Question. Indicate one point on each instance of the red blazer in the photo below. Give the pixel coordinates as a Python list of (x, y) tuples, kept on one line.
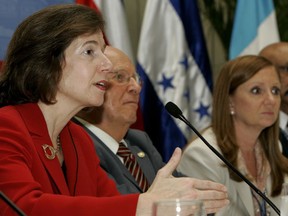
[(37, 184)]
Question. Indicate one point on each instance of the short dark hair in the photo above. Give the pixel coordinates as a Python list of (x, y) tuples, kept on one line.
[(35, 56)]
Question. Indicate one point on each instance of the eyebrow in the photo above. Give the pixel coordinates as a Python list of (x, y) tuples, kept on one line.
[(91, 42), (95, 43)]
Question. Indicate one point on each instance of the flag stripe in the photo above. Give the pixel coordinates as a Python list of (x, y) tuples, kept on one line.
[(261, 41), (195, 39), (256, 29), (160, 126)]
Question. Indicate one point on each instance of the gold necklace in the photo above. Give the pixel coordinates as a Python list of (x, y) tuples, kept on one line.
[(59, 146), (50, 151)]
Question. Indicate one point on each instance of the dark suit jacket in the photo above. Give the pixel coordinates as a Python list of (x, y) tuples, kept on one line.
[(284, 142), (137, 141), (37, 184)]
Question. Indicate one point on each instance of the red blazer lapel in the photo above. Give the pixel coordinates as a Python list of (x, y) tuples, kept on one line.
[(35, 123), (71, 158), (81, 159), (52, 167)]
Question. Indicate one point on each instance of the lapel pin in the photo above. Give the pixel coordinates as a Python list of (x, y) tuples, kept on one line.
[(141, 154), (49, 151)]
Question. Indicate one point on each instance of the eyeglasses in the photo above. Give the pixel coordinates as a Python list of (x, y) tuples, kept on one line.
[(123, 77)]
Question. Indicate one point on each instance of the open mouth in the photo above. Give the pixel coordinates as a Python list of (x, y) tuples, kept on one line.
[(102, 84)]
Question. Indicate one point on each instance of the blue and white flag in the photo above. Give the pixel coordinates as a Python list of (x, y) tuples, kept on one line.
[(255, 27), (173, 62)]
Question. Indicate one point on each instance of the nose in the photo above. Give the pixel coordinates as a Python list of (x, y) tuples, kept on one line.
[(271, 98), (106, 65), (134, 86)]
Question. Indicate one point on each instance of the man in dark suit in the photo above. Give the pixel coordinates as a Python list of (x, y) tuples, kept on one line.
[(277, 53), (110, 124)]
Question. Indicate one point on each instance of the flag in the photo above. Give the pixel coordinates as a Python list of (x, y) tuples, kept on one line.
[(255, 27), (12, 13), (173, 63)]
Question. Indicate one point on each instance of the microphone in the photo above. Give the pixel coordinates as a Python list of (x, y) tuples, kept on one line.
[(175, 111), (11, 204)]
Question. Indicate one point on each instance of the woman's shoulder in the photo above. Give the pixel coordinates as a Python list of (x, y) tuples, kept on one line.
[(14, 112), (208, 136), (9, 115), (7, 110)]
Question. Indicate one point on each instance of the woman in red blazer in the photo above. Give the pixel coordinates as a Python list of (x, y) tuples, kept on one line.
[(55, 67)]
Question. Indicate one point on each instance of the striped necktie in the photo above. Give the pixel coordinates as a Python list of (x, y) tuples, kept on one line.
[(133, 167)]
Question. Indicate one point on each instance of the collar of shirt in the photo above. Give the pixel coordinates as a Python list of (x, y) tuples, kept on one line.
[(108, 140)]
